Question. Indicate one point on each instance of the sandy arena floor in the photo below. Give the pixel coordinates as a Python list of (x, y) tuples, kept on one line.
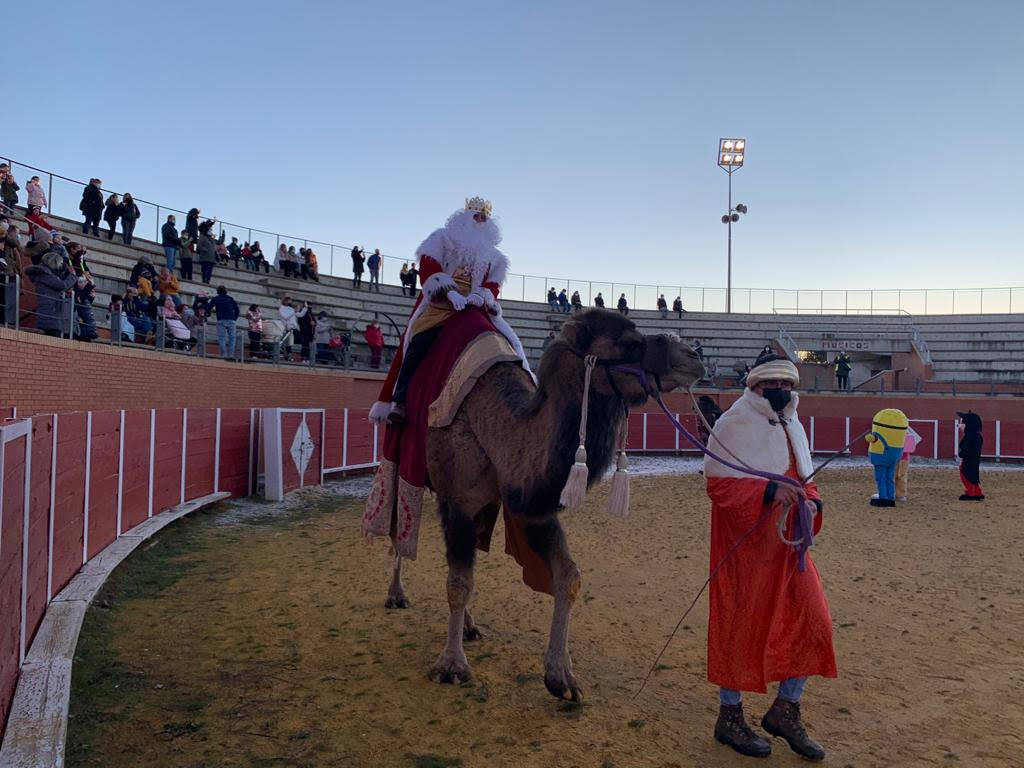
[(255, 635)]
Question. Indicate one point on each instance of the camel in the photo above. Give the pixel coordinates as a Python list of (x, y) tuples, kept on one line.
[(513, 444)]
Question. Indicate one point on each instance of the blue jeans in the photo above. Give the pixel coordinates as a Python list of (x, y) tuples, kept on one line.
[(207, 269), (789, 690), (170, 254), (226, 337), (885, 471), (143, 325)]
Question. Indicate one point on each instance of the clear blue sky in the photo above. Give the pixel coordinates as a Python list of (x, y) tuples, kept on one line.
[(884, 137)]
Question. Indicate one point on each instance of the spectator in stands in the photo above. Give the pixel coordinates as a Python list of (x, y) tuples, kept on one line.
[(322, 337), (192, 225), (171, 241), (34, 217), (552, 299), (207, 251), (698, 349), (290, 322), (599, 300), (227, 315), (622, 305), (188, 317), (91, 207), (51, 281), (119, 319), (36, 196), (547, 341), (258, 259), (8, 187), (76, 257), (11, 251), (246, 254), (408, 280), (201, 306), (111, 214), (402, 274), (180, 335), (254, 321), (293, 257), (235, 251), (307, 329), (84, 294), (302, 265), (767, 350), (137, 310), (373, 264), (576, 302), (185, 252), (375, 341), (280, 256), (312, 266), (222, 250), (339, 348), (843, 368), (677, 307), (143, 268), (357, 266), (563, 302), (167, 285), (663, 306), (39, 245), (129, 215)]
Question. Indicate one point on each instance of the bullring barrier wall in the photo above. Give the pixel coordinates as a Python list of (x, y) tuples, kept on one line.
[(72, 484)]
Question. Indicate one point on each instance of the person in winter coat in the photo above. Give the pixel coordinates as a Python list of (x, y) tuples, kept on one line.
[(970, 455), (201, 306), (576, 302), (91, 207), (76, 258), (35, 220), (663, 306), (312, 266), (293, 260), (563, 302), (167, 285), (36, 196), (307, 327), (181, 338), (129, 215), (143, 268), (227, 317), (192, 224), (84, 294), (357, 266), (51, 282), (171, 242), (375, 341), (290, 322), (111, 214), (322, 336), (258, 259), (677, 306), (8, 187), (235, 251), (373, 264), (207, 251), (552, 299), (599, 300), (842, 368), (185, 253), (137, 310), (623, 306), (254, 321), (119, 319)]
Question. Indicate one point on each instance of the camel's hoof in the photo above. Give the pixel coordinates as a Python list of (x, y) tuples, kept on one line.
[(471, 634), (559, 681), (451, 669), (396, 602)]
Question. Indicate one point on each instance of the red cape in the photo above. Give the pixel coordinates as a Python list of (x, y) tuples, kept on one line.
[(768, 621)]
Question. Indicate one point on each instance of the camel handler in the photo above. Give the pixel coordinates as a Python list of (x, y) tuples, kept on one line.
[(768, 621)]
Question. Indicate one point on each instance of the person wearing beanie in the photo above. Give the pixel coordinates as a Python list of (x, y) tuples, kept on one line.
[(769, 621)]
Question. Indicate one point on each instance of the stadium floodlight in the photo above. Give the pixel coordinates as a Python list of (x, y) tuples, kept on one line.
[(731, 154)]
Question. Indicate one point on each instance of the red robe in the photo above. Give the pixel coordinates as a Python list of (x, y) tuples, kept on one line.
[(767, 620)]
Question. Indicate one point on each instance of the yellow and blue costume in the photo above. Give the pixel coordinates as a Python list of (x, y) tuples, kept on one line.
[(885, 447)]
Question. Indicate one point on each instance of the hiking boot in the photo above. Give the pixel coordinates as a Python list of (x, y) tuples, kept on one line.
[(733, 731), (783, 721), (965, 497)]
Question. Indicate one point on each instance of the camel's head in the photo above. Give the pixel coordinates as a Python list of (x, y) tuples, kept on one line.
[(612, 338)]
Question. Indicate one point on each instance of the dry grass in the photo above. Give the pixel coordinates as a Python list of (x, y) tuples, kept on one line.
[(268, 645)]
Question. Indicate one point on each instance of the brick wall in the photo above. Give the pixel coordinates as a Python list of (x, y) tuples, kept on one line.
[(39, 374)]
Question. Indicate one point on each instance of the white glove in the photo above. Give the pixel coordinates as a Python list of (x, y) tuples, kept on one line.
[(492, 303), (457, 300), (475, 299)]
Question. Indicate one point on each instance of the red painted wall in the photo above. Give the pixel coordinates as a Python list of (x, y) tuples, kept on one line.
[(11, 540)]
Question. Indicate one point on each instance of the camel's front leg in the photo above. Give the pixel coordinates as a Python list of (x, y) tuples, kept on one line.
[(396, 592), (548, 540)]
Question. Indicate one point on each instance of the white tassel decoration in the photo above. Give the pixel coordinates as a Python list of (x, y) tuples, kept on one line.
[(575, 488), (618, 498)]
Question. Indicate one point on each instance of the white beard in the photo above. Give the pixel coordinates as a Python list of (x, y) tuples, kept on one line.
[(470, 245)]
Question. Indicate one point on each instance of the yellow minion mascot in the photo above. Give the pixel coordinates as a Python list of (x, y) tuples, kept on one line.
[(885, 447)]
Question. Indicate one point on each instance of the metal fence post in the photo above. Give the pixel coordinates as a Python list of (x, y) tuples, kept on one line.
[(160, 339), (332, 259), (158, 223), (115, 328), (49, 199)]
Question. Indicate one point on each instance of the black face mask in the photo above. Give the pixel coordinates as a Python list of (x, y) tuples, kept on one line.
[(777, 398)]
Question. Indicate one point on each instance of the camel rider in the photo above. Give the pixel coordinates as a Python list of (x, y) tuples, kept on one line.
[(769, 621), (459, 266)]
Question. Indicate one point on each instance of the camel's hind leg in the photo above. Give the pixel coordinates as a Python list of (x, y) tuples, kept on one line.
[(460, 541), (547, 539), (396, 592)]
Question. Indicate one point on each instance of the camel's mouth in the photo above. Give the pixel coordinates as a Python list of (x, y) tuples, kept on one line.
[(672, 363)]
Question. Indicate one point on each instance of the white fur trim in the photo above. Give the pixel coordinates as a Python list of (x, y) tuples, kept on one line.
[(433, 246), (506, 330), (746, 430), (439, 282), (497, 270), (379, 412)]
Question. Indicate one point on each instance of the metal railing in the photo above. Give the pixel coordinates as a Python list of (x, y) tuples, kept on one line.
[(65, 193)]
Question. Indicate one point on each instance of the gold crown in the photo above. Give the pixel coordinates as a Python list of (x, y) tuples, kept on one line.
[(478, 204)]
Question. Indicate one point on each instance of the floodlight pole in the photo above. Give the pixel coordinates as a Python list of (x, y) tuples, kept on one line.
[(728, 277)]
